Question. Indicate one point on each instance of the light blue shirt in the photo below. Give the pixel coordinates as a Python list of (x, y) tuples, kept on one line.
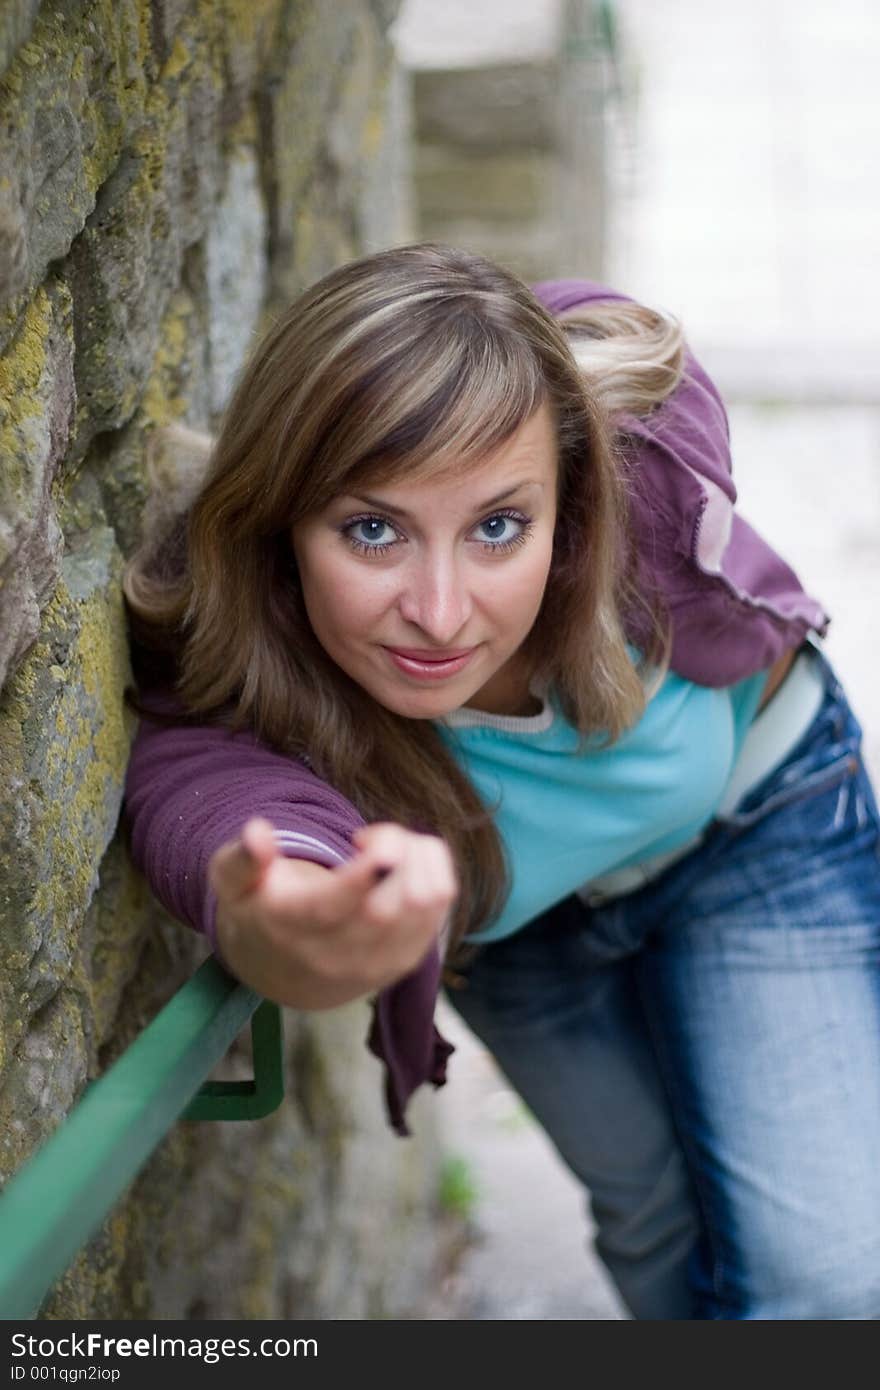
[(566, 818)]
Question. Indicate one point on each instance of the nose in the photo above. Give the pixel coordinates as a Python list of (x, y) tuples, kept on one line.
[(436, 598)]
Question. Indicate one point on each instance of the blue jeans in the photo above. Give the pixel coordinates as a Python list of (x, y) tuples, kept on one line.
[(705, 1052)]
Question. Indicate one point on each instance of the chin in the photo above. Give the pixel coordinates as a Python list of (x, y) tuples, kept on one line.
[(425, 705)]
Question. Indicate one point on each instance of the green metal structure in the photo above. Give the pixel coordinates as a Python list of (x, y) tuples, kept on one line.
[(51, 1207)]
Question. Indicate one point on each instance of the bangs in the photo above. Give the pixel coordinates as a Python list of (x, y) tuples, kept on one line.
[(438, 397)]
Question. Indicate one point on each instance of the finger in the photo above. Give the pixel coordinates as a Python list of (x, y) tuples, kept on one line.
[(258, 839), (238, 868), (425, 865), (385, 899), (383, 846), (387, 841), (416, 892), (443, 866), (383, 843), (390, 829), (348, 884), (425, 874)]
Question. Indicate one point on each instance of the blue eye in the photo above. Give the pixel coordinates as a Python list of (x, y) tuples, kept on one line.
[(377, 523), (382, 548), (507, 541)]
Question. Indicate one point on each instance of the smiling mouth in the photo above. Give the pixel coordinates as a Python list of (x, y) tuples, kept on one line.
[(422, 669)]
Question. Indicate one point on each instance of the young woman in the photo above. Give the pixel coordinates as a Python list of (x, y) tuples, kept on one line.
[(462, 656)]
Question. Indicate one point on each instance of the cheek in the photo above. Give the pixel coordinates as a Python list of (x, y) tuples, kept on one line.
[(532, 579), (337, 600)]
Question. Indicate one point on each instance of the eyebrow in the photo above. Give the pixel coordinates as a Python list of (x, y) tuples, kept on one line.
[(399, 511)]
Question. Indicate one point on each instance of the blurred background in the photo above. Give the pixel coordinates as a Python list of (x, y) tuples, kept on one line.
[(717, 162)]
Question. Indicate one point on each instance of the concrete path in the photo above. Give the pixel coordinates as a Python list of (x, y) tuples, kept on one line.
[(531, 1255)]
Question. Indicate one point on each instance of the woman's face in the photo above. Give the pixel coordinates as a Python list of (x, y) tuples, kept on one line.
[(437, 567)]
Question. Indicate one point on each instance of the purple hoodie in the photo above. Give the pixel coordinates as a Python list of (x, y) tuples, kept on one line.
[(190, 790), (735, 604), (735, 607)]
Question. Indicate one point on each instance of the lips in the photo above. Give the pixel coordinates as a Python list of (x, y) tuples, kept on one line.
[(417, 654), (417, 668)]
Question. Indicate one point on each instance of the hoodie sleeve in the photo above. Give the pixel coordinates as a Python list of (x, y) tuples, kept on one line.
[(189, 790)]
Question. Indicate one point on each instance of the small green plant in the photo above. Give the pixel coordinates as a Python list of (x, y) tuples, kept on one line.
[(458, 1189), (518, 1117)]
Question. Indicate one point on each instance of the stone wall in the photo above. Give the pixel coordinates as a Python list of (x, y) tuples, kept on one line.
[(171, 171)]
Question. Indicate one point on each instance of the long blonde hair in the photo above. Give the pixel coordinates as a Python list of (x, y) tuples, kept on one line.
[(389, 364)]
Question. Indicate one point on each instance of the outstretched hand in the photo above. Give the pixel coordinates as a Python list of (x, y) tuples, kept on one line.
[(313, 937)]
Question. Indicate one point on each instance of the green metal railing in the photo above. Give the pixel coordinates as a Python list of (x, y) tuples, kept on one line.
[(51, 1207)]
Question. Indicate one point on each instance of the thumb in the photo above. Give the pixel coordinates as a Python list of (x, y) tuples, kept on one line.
[(238, 867)]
